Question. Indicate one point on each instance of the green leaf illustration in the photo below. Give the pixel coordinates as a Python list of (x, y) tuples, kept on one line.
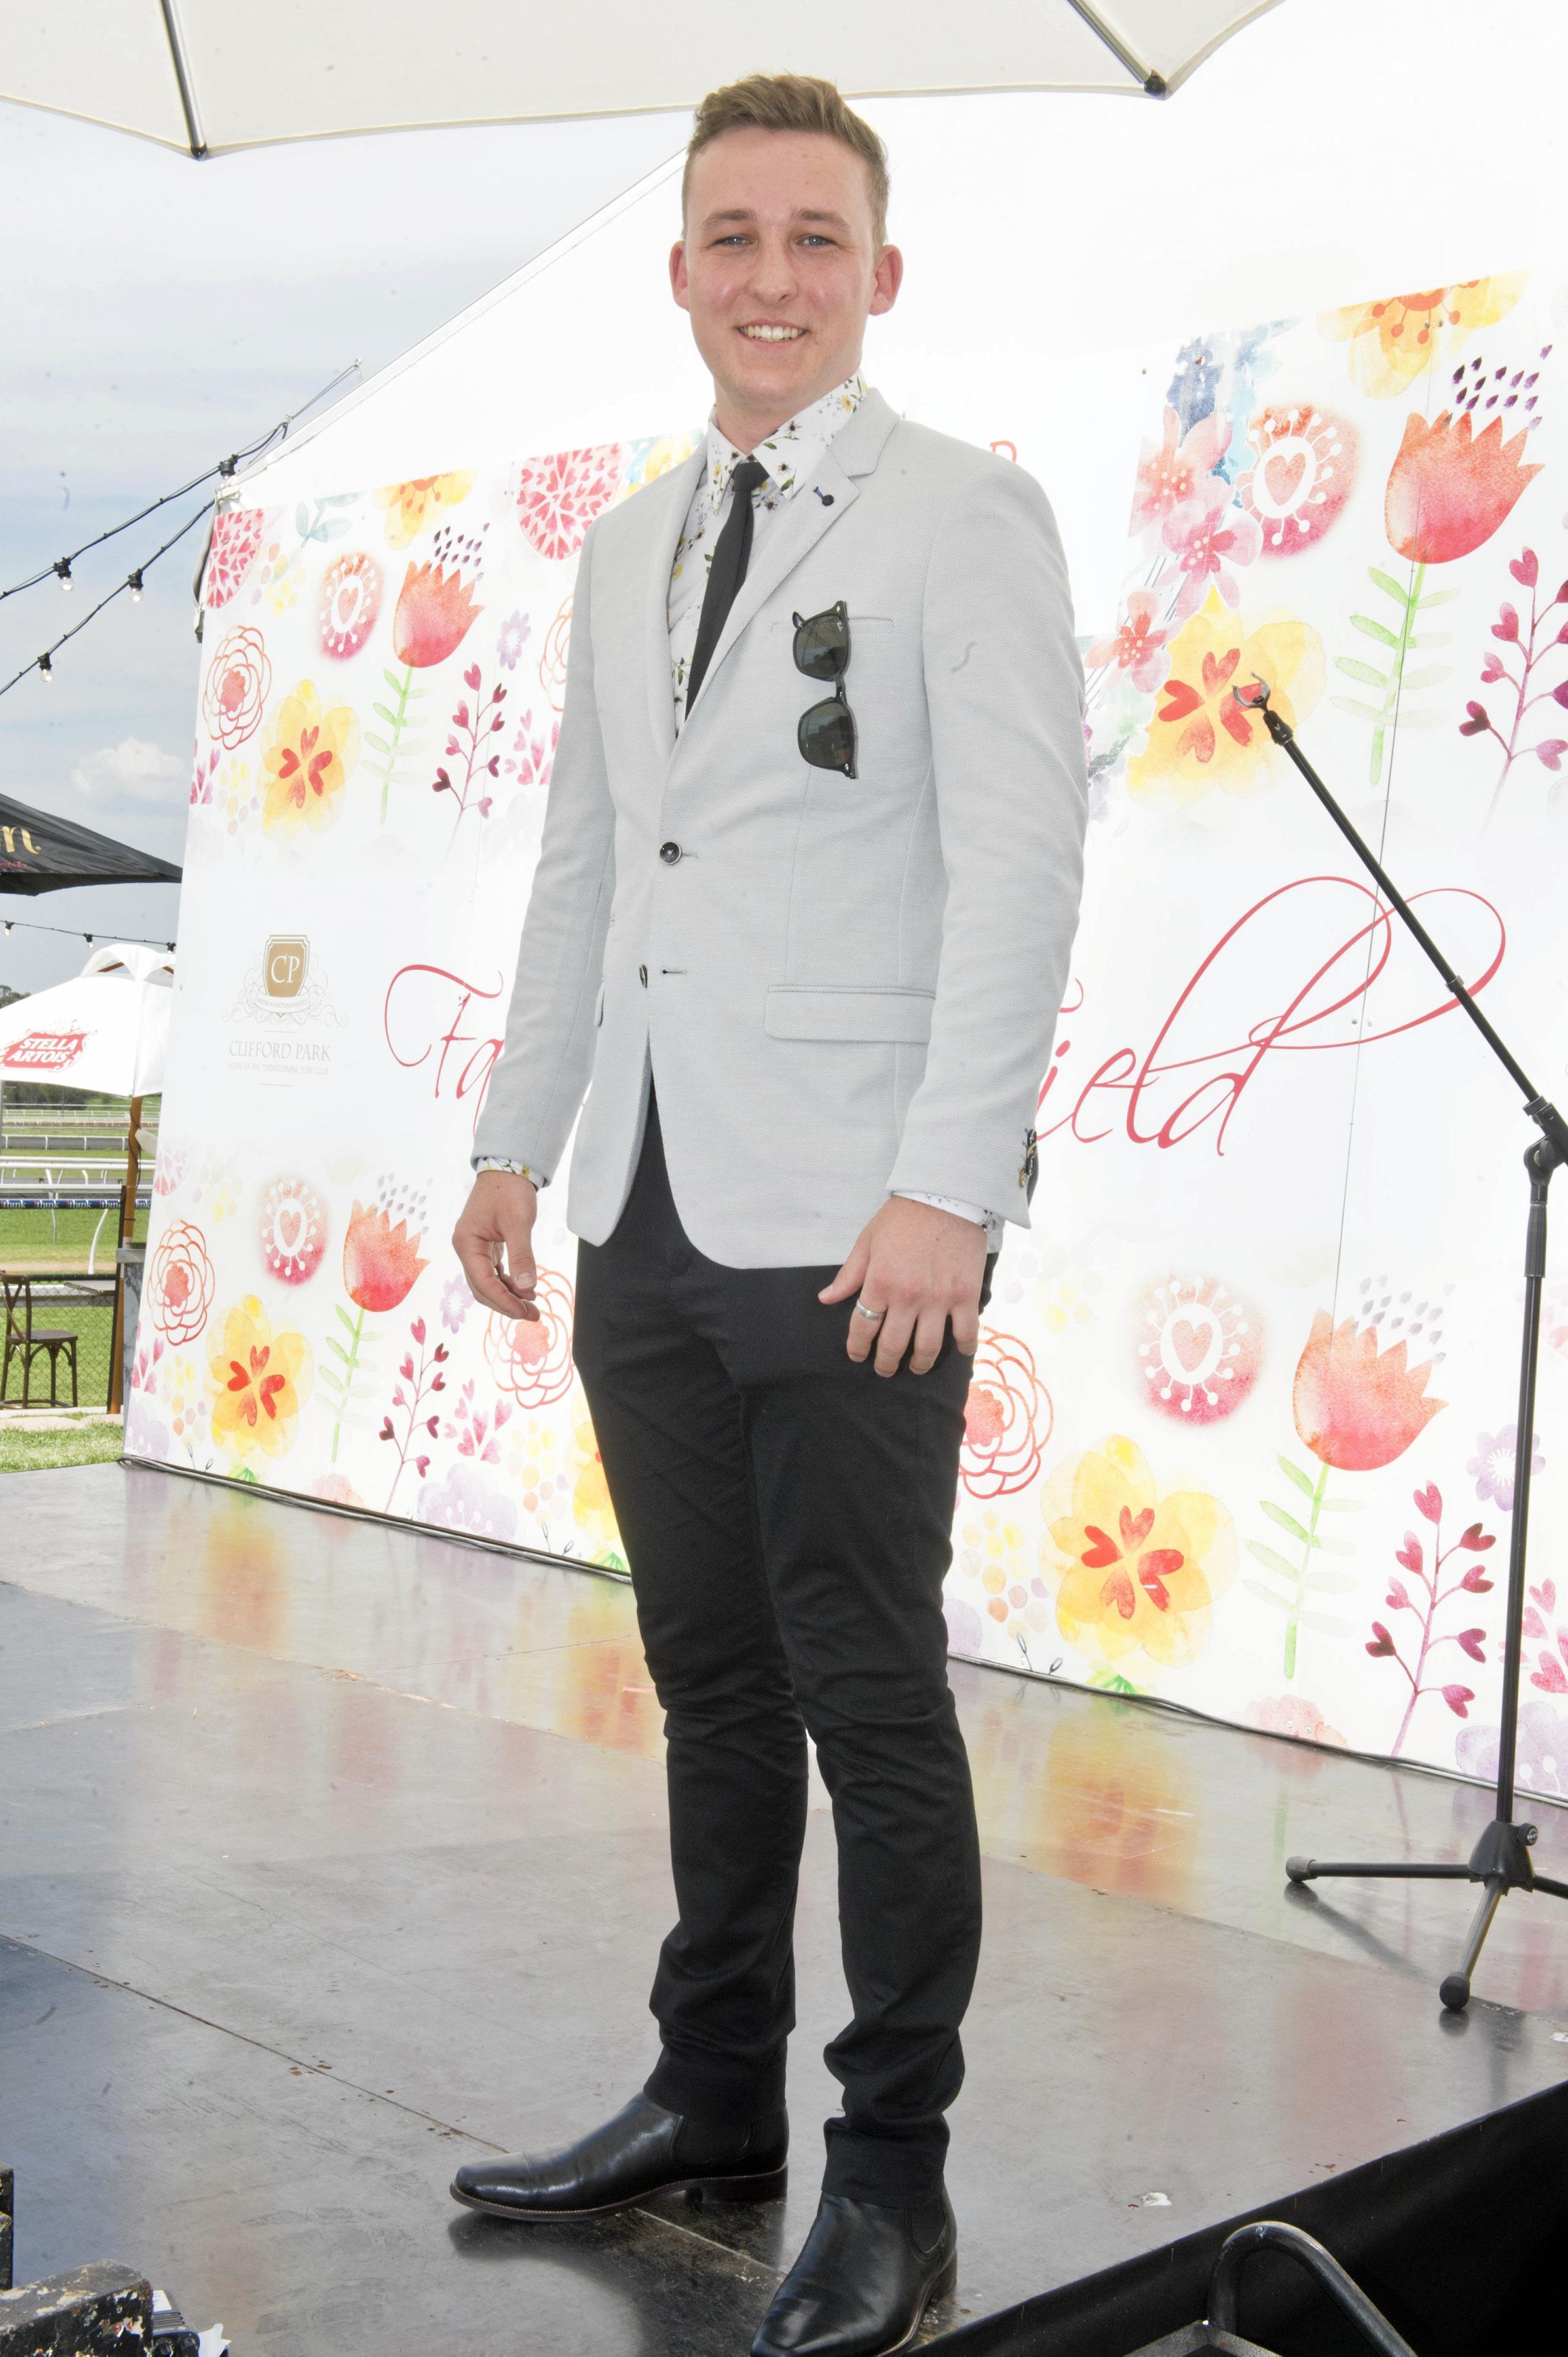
[(1288, 1522), (1353, 669), (1429, 675), (1342, 1505), (1361, 711), (1386, 582), (1269, 1594), (1270, 1559), (1436, 598), (1331, 1583), (1294, 1473), (1365, 623), (378, 744), (1328, 1624)]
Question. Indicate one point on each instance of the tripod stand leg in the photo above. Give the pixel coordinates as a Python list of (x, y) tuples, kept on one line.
[(1455, 1989)]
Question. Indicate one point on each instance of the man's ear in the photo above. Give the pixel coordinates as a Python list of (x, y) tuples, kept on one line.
[(678, 278), (888, 278)]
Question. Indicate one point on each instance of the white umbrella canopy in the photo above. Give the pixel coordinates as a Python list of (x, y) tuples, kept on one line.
[(104, 1032), (212, 75)]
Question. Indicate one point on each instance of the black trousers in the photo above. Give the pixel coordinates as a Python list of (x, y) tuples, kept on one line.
[(787, 1516)]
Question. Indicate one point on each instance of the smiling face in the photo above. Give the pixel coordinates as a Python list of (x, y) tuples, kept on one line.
[(779, 271)]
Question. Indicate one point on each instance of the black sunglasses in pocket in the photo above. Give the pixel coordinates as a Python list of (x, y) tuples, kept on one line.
[(826, 734)]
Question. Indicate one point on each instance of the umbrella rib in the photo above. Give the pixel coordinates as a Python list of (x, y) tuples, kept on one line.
[(182, 75), (1154, 83)]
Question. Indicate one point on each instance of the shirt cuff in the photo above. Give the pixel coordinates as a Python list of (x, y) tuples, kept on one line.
[(517, 1169), (975, 1212)]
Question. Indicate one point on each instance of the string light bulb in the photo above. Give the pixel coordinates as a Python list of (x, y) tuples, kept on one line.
[(46, 667), (135, 581), (62, 569)]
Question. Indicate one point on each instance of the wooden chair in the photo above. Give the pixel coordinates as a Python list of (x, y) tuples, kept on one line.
[(24, 1340)]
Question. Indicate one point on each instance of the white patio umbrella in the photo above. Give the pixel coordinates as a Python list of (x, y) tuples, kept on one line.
[(210, 76), (104, 1032)]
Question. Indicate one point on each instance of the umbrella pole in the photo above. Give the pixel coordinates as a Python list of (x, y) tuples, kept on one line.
[(127, 1223)]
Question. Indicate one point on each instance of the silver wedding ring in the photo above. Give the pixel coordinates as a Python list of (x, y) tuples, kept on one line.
[(875, 1317)]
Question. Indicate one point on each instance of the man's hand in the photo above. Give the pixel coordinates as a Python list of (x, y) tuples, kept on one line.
[(494, 1241), (919, 1266)]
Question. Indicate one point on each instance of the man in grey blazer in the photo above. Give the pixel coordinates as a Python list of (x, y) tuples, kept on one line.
[(800, 931)]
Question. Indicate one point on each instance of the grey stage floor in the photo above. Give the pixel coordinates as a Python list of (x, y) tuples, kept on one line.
[(333, 1854)]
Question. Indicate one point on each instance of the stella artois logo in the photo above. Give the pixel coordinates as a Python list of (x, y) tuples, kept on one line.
[(44, 1051)]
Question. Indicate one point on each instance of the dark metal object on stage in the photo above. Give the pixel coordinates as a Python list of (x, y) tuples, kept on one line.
[(91, 2312), (1220, 2330), (1500, 1860)]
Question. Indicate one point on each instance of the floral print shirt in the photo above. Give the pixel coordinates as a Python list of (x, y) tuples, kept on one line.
[(791, 457)]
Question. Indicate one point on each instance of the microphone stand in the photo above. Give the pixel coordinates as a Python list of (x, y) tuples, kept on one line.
[(1500, 1860)]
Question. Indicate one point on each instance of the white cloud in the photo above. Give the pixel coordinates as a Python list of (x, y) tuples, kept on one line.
[(133, 770)]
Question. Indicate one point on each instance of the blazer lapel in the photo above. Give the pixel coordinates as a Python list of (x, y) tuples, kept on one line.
[(669, 501), (807, 514)]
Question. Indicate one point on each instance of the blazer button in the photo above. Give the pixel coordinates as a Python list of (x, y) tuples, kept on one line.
[(669, 852)]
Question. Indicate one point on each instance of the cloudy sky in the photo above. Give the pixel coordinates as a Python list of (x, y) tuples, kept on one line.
[(160, 313)]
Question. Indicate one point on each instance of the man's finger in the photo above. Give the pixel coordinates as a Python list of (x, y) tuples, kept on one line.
[(966, 1329), (863, 1333), (893, 1340), (486, 1283), (851, 1277), (518, 1243), (929, 1330)]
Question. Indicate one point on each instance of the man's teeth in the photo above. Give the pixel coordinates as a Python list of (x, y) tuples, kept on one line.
[(773, 335)]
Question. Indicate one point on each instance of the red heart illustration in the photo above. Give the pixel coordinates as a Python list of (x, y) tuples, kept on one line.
[(1282, 474)]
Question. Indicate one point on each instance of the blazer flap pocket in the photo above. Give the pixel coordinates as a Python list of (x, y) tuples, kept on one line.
[(799, 1010)]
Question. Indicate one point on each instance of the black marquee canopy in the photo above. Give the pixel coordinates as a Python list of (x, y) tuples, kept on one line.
[(40, 853)]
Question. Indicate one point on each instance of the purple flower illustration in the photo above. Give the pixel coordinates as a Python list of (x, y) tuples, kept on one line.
[(466, 1501), (456, 1303), (1542, 1747), (1492, 1465), (515, 633)]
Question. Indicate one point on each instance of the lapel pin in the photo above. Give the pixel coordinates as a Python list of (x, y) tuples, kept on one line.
[(826, 497)]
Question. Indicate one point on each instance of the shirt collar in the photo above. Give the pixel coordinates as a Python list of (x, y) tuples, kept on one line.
[(791, 454)]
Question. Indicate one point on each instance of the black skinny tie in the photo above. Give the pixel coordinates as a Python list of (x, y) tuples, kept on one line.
[(726, 572)]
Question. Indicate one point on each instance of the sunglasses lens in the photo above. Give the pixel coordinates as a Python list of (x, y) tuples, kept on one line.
[(821, 645), (826, 736)]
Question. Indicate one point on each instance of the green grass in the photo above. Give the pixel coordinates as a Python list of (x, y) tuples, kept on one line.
[(31, 1241), (21, 1451)]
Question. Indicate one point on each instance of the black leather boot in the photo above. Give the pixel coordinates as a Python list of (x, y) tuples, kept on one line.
[(863, 2280), (644, 2150)]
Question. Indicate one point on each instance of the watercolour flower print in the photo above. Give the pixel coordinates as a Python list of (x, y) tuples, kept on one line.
[(1394, 341), (1201, 736), (1203, 1459), (1136, 1571)]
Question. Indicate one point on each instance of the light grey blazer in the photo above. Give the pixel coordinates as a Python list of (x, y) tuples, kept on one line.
[(844, 986)]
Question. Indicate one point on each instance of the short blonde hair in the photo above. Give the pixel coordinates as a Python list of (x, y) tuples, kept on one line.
[(791, 102)]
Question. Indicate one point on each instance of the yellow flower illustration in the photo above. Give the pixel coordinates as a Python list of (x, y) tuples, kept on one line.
[(1407, 336), (260, 1382), (1135, 1574), (1199, 736), (306, 754), (409, 506), (591, 1508)]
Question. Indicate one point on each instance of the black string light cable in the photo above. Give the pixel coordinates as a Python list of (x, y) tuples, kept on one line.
[(44, 663), (60, 569), (75, 933)]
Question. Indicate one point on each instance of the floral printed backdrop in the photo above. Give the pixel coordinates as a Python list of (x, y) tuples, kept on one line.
[(1239, 1430)]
